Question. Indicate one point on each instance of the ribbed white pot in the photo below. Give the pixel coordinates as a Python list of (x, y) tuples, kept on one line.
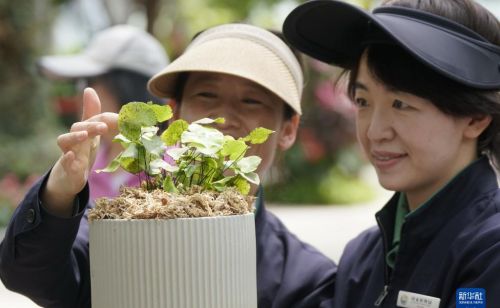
[(177, 263)]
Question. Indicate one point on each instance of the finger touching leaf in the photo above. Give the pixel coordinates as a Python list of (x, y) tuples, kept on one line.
[(133, 116)]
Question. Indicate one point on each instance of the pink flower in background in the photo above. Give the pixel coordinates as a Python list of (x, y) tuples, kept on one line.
[(67, 105), (312, 147), (334, 98)]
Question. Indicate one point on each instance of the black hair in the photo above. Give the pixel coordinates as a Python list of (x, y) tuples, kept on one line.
[(397, 69), (182, 78), (127, 86)]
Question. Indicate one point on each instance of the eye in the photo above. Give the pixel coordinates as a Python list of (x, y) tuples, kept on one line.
[(251, 101), (399, 104), (207, 94), (360, 102)]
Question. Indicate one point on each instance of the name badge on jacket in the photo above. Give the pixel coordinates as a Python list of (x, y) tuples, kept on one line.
[(415, 300)]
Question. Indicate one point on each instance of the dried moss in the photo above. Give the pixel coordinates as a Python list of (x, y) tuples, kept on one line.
[(137, 203)]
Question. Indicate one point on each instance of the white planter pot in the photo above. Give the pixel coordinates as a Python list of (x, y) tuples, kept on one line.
[(178, 263)]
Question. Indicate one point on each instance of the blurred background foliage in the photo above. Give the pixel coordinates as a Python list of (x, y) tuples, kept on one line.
[(27, 143), (324, 166)]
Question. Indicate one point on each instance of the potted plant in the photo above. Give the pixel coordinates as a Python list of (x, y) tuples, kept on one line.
[(186, 237)]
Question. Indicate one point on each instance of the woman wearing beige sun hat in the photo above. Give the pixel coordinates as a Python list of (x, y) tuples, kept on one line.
[(252, 78), (240, 50), (240, 72)]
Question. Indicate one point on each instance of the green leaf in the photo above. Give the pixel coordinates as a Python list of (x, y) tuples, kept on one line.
[(206, 140), (176, 153), (242, 185), (190, 170), (132, 117), (234, 148), (220, 185), (258, 135), (148, 132), (173, 133), (251, 177), (209, 163), (159, 164), (206, 121), (112, 167), (162, 112), (154, 146), (130, 151), (248, 164), (132, 165), (130, 160), (210, 169), (124, 141), (168, 185)]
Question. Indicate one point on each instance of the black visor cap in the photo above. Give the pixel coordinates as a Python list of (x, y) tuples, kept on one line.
[(336, 32)]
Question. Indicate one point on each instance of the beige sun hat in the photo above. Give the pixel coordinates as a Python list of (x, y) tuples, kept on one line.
[(241, 50)]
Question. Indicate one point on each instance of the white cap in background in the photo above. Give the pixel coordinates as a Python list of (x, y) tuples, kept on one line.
[(119, 47)]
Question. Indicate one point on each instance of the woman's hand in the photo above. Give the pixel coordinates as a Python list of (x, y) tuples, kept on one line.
[(70, 173)]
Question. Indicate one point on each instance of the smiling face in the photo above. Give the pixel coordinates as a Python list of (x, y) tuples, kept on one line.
[(414, 147), (245, 106)]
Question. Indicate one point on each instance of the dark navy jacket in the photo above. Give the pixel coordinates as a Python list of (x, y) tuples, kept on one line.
[(452, 242), (46, 258)]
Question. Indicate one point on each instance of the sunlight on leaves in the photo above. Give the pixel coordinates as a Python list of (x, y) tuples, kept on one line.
[(204, 156)]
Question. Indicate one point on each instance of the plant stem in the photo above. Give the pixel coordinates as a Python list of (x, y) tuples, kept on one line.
[(234, 161), (201, 179)]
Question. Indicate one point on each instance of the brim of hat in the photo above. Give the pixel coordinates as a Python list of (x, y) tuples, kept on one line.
[(232, 56), (335, 32), (68, 67)]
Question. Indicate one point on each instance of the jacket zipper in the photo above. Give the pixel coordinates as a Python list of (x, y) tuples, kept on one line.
[(385, 290), (382, 296)]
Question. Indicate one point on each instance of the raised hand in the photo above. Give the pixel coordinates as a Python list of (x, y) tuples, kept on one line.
[(70, 173)]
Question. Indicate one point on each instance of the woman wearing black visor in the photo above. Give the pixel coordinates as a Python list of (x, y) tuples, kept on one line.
[(425, 78)]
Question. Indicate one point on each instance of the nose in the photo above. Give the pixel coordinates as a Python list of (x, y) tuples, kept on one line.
[(380, 126), (227, 108)]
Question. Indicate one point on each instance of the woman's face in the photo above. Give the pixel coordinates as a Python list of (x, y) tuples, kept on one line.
[(414, 147), (245, 106)]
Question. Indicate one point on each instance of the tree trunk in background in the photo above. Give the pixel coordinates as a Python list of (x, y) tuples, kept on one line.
[(27, 125), (22, 25), (152, 7)]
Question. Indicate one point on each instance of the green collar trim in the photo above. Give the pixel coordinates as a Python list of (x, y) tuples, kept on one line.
[(403, 212)]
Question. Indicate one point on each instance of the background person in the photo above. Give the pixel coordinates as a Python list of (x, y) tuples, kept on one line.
[(117, 64)]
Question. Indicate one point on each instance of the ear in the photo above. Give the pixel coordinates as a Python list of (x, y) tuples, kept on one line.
[(476, 126), (288, 132)]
